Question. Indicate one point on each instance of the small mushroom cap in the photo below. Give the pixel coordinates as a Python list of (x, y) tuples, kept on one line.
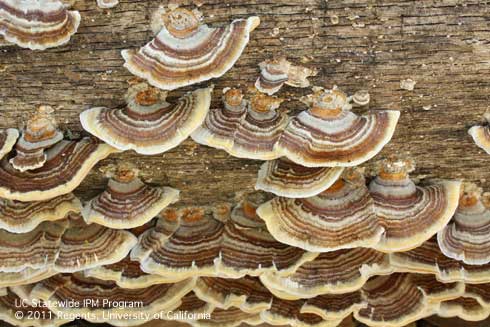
[(8, 138), (106, 4), (410, 214), (128, 202), (23, 217), (37, 25), (467, 236), (465, 308), (330, 135), (341, 217), (186, 52), (286, 178), (70, 159), (148, 124), (481, 134), (41, 132), (361, 97)]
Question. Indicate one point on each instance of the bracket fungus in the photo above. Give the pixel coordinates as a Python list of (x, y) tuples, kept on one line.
[(286, 178), (410, 214), (274, 73), (37, 24), (100, 301), (25, 276), (334, 272), (67, 164), (250, 133), (465, 308), (481, 134), (328, 134), (205, 246), (340, 217), (148, 124), (232, 317), (22, 217), (8, 138), (466, 237), (186, 51), (106, 4), (41, 132), (127, 202)]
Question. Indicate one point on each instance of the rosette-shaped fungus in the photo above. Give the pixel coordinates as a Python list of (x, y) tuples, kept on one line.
[(467, 236), (148, 124), (186, 51), (128, 202), (410, 214), (100, 301), (8, 137), (481, 134), (205, 246), (465, 308), (67, 164), (338, 218), (329, 134), (428, 259), (398, 299), (40, 133), (334, 272), (274, 73), (37, 24), (286, 178), (22, 217), (250, 133)]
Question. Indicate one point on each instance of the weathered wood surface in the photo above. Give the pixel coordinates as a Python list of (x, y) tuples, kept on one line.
[(442, 45)]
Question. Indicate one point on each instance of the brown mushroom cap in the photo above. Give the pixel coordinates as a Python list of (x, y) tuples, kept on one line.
[(8, 137), (183, 53), (22, 217), (232, 317), (128, 202), (286, 178), (410, 214), (481, 134), (148, 124), (67, 164), (37, 25), (467, 236), (464, 308), (339, 218), (330, 135)]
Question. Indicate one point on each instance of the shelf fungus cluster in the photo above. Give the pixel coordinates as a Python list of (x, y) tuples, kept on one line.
[(37, 24)]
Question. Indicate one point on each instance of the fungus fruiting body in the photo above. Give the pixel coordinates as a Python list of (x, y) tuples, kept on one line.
[(41, 132), (329, 134), (148, 124), (128, 202), (410, 214), (8, 137), (466, 237), (105, 4), (37, 24), (481, 134), (67, 164), (186, 51)]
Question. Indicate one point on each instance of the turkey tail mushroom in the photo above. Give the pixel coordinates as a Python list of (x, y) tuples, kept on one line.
[(8, 138), (481, 134)]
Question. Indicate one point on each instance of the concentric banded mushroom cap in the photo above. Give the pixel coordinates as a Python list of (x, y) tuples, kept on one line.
[(67, 164), (25, 276), (231, 317), (186, 52), (8, 137), (274, 73), (339, 218), (286, 178), (428, 259), (465, 308), (22, 217), (40, 133), (410, 214), (481, 134), (148, 124), (480, 292), (334, 306), (128, 202), (205, 246), (334, 272), (17, 312), (100, 301), (37, 24), (330, 135), (398, 299), (467, 236), (222, 121), (246, 293)]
